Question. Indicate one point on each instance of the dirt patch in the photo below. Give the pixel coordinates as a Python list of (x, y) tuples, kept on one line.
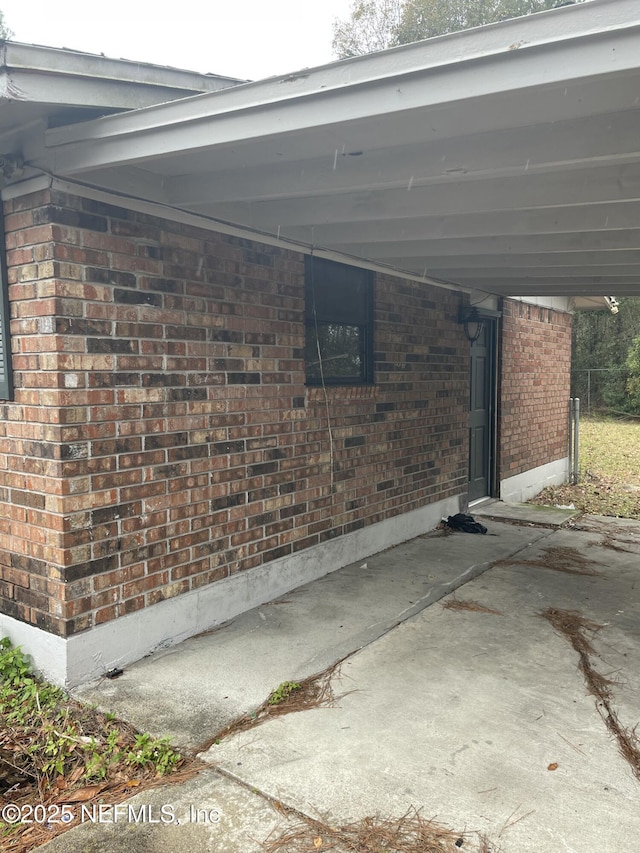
[(410, 833), (577, 628), (473, 606), (315, 691), (557, 559)]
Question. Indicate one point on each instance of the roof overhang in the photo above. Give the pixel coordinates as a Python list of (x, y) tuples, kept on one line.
[(505, 158), (42, 87)]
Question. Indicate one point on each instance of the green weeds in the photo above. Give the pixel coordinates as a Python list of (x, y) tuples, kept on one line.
[(48, 738), (283, 691)]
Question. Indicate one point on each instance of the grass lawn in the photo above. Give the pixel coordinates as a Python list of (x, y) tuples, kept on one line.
[(609, 471)]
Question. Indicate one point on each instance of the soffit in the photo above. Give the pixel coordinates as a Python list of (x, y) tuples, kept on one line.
[(505, 159)]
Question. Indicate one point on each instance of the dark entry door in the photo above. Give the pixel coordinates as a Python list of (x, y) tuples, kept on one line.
[(481, 413)]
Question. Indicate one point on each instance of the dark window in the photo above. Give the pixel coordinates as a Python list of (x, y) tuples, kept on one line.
[(339, 323)]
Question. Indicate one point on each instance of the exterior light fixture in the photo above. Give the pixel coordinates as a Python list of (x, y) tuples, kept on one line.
[(469, 317)]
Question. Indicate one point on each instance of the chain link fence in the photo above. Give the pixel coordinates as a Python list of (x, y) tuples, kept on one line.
[(601, 388)]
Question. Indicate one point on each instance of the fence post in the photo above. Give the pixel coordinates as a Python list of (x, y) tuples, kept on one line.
[(576, 441), (571, 439)]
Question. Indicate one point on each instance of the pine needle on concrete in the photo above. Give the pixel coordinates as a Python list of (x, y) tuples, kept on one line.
[(315, 691), (472, 606), (410, 833), (576, 628), (558, 559)]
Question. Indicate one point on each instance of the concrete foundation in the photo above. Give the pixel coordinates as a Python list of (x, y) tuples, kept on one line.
[(86, 656)]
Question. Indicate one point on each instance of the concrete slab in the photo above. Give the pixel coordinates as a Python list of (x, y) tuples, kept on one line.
[(192, 690), (618, 527), (462, 713), (524, 513), (459, 713)]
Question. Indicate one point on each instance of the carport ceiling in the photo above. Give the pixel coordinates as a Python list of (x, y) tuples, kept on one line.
[(505, 158)]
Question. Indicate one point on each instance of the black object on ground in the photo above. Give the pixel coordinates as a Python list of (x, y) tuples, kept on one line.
[(465, 523)]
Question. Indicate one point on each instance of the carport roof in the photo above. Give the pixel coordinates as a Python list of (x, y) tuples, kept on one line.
[(505, 158), (61, 86)]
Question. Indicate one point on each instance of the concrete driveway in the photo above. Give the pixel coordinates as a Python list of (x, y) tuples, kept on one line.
[(456, 697)]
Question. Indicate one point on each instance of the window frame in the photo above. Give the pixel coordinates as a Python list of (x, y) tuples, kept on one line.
[(332, 274)]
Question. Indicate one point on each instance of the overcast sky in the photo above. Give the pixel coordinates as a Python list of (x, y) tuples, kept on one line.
[(236, 38)]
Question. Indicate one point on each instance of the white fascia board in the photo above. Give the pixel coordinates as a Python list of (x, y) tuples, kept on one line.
[(590, 303), (599, 18), (30, 185), (67, 90), (48, 61), (599, 37)]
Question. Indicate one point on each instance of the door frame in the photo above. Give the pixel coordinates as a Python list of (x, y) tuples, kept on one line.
[(491, 321)]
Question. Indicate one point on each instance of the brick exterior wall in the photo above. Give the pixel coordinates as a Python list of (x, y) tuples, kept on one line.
[(534, 387), (162, 437)]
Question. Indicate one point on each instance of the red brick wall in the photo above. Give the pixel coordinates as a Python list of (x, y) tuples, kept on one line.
[(535, 379), (162, 436)]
